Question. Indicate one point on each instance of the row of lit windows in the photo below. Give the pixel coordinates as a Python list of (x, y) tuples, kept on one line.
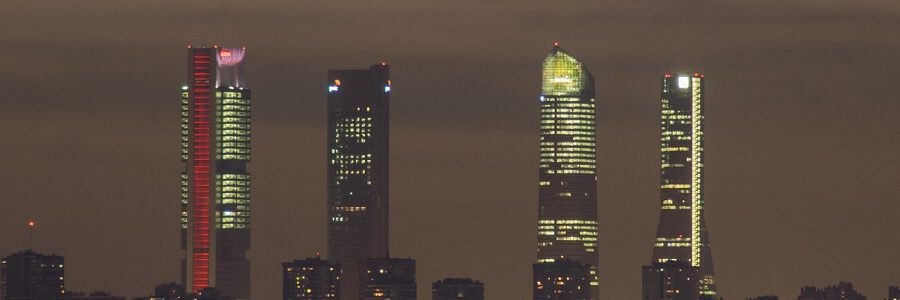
[(575, 127), (567, 132), (236, 138), (571, 104), (234, 226), (568, 222), (577, 111), (233, 102), (568, 160), (235, 200), (352, 172), (348, 208), (351, 161), (567, 149), (233, 220), (229, 94), (225, 108), (571, 166), (226, 125), (659, 245), (236, 213), (550, 99), (567, 116), (576, 238), (569, 121)]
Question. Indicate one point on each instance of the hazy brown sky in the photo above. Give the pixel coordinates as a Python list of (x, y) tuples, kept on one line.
[(802, 134)]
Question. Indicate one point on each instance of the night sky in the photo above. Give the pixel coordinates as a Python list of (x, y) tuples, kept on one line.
[(801, 110)]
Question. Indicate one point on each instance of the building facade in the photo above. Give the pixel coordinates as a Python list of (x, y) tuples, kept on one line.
[(31, 275), (567, 199), (457, 289), (358, 169), (681, 234), (215, 186), (672, 280), (387, 279), (562, 279), (310, 279)]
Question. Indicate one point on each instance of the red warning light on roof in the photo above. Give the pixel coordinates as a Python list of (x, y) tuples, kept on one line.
[(31, 224), (555, 43), (668, 75)]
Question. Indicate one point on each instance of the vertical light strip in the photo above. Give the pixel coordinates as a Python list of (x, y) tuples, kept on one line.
[(201, 106), (696, 170)]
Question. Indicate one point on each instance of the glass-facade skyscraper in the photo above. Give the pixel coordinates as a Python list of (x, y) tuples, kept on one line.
[(215, 186), (682, 235), (357, 159), (567, 200)]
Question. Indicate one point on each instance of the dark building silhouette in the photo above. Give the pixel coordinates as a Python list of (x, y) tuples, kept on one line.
[(30, 275), (562, 279), (358, 128), (893, 293), (311, 278), (166, 291), (215, 186), (673, 280), (457, 289), (767, 297), (841, 291), (209, 293), (169, 291), (682, 235), (387, 278), (567, 164), (98, 295)]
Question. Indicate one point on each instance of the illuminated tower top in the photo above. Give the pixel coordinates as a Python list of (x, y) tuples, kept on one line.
[(230, 65), (563, 75)]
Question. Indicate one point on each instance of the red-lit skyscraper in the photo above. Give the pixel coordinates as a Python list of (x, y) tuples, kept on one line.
[(215, 186)]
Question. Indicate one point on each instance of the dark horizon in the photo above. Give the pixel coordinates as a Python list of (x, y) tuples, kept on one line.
[(801, 151)]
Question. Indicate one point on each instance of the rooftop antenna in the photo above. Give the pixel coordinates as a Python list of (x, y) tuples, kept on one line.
[(32, 226)]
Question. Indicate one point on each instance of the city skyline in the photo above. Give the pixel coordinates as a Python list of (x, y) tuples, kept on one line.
[(87, 136)]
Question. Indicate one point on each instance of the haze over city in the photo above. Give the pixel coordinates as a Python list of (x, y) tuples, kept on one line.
[(800, 139)]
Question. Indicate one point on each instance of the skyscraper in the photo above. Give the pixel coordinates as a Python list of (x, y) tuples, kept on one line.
[(31, 275), (311, 279), (457, 289), (681, 235), (567, 200), (562, 279), (358, 128), (215, 186), (387, 278)]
